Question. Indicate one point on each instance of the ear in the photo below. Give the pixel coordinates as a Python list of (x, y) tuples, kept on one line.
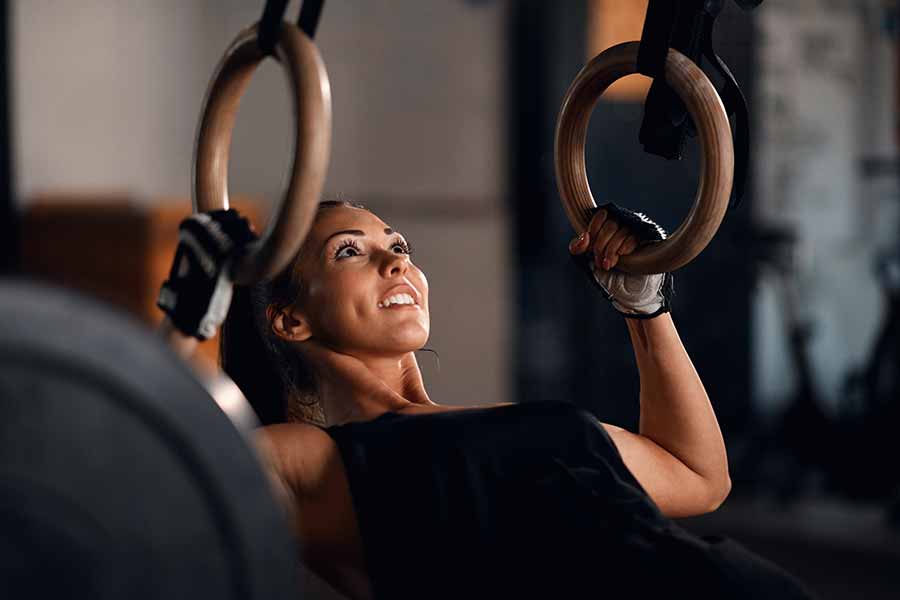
[(288, 323)]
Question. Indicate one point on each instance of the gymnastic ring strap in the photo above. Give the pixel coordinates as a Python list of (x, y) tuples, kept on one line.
[(273, 15), (311, 98), (713, 133)]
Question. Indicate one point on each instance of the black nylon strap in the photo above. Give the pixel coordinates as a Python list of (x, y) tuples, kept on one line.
[(687, 26), (273, 15), (656, 37), (310, 13), (678, 25), (736, 107)]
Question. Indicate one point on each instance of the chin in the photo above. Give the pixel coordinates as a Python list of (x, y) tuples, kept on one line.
[(411, 345), (411, 342)]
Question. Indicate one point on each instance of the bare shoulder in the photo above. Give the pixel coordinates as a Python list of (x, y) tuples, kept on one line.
[(285, 435), (613, 429), (308, 464), (299, 453)]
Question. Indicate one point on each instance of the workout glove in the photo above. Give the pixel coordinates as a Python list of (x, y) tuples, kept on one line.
[(198, 291), (634, 296)]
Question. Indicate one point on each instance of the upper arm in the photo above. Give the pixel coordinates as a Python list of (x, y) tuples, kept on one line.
[(676, 489)]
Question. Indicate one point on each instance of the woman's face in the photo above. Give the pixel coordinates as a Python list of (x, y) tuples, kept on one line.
[(353, 270)]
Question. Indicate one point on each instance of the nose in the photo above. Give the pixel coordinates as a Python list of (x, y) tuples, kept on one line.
[(394, 264)]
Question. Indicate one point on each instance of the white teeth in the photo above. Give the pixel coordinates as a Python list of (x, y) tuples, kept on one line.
[(397, 299)]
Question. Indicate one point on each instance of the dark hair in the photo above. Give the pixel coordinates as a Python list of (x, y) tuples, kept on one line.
[(277, 382)]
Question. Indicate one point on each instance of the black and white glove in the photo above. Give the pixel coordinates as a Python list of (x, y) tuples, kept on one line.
[(197, 294), (617, 232)]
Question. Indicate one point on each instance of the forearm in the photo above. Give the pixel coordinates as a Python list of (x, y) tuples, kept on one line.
[(675, 411)]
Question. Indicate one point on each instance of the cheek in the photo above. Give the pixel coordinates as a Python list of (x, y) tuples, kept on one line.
[(420, 281), (338, 301), (343, 314)]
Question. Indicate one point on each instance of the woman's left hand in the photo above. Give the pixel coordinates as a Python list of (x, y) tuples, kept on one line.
[(612, 233), (607, 238)]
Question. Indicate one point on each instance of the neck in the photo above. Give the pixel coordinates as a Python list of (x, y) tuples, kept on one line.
[(381, 384)]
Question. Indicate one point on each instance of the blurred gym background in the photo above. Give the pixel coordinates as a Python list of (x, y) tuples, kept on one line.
[(444, 115)]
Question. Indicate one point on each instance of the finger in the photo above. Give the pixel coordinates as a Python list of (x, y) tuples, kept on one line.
[(607, 231), (597, 222), (616, 242), (614, 245), (628, 246), (580, 243)]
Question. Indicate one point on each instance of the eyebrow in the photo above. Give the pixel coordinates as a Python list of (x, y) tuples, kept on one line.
[(357, 232)]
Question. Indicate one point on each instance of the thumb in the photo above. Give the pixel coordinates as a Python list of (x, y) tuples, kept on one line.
[(580, 243)]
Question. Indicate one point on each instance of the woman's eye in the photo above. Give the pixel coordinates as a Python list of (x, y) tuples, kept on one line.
[(404, 247), (342, 251), (353, 249)]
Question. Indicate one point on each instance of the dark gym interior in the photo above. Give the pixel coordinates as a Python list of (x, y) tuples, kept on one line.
[(444, 116)]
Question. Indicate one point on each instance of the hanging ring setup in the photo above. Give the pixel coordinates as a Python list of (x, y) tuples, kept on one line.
[(713, 132), (311, 99)]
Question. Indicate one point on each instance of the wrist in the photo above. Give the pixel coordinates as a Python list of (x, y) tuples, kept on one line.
[(657, 332), (642, 313)]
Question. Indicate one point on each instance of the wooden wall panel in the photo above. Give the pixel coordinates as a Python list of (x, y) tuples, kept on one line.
[(110, 247)]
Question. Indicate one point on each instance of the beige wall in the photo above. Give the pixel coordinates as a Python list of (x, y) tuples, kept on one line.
[(107, 93)]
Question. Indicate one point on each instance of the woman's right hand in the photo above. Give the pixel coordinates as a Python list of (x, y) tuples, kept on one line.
[(198, 291)]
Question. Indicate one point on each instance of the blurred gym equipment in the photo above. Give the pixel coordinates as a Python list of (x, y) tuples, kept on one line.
[(120, 477)]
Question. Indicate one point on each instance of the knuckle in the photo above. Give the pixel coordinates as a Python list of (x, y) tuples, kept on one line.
[(610, 227)]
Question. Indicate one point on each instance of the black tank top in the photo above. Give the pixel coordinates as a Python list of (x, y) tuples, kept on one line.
[(529, 500)]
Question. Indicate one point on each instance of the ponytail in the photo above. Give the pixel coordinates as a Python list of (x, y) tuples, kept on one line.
[(246, 355)]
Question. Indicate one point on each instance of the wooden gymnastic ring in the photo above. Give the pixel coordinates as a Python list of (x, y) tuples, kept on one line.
[(311, 97), (713, 132)]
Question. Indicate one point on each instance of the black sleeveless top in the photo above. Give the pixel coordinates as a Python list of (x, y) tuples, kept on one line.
[(528, 500)]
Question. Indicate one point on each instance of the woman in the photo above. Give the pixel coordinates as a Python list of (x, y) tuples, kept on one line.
[(392, 495)]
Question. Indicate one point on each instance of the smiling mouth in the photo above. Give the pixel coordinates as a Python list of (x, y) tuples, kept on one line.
[(402, 298), (401, 306)]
